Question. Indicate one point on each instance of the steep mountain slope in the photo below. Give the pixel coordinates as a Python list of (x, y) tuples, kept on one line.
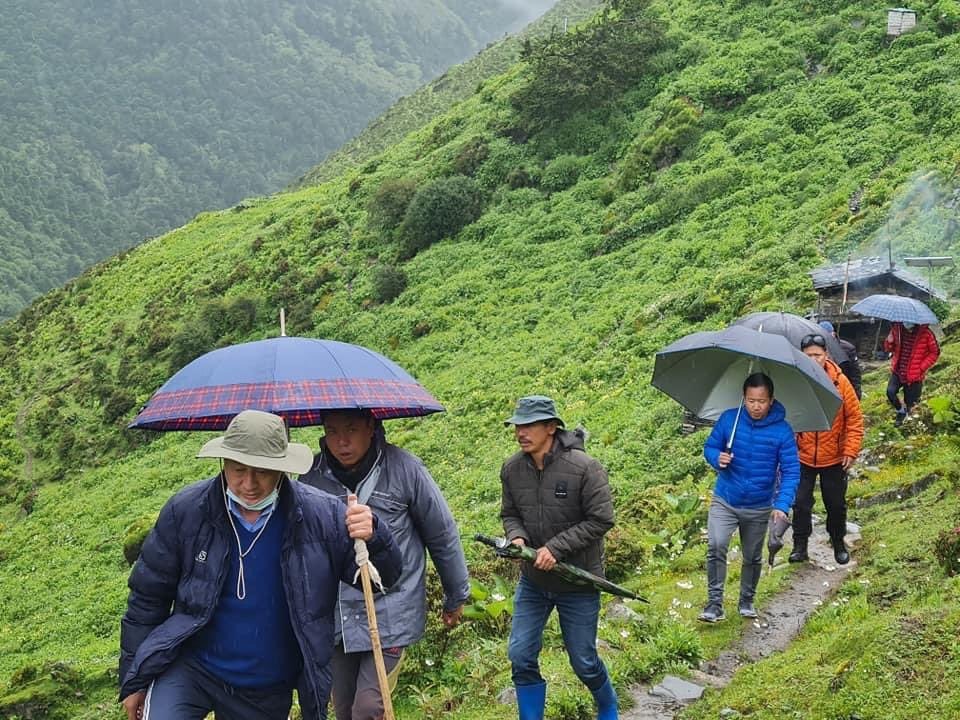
[(664, 168), (122, 120)]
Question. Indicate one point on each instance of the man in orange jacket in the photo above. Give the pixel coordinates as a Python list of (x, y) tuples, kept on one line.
[(914, 350), (828, 454)]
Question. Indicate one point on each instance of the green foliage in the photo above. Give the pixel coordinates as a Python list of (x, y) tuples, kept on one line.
[(562, 173), (388, 282), (946, 15), (572, 72), (946, 548), (388, 205), (134, 535), (490, 605), (136, 120), (439, 209), (678, 128), (569, 293)]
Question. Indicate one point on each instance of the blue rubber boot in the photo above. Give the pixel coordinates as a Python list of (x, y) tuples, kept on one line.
[(531, 700), (606, 698)]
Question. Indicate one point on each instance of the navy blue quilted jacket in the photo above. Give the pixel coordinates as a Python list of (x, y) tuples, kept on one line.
[(177, 580), (764, 453)]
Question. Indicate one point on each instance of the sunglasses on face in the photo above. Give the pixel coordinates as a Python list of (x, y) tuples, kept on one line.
[(813, 339)]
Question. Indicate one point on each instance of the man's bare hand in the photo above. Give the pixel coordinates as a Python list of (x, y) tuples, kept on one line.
[(451, 618), (545, 559), (725, 459), (133, 704), (359, 519)]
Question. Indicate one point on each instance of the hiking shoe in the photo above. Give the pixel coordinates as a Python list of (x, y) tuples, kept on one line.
[(901, 416), (798, 555), (746, 610), (840, 552), (712, 613)]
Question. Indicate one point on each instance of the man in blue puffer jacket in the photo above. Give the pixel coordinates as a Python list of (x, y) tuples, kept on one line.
[(232, 598), (757, 479)]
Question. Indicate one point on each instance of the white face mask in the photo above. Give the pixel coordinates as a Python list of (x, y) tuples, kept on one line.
[(259, 505)]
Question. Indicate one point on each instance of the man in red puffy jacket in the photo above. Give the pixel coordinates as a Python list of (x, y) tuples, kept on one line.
[(914, 351)]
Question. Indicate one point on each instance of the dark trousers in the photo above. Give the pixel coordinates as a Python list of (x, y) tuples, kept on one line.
[(356, 688), (833, 489), (186, 691), (911, 393)]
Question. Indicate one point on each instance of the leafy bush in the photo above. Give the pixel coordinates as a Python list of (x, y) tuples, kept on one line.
[(572, 72), (561, 173), (388, 283), (946, 16), (134, 535), (387, 206), (678, 128), (471, 156), (946, 548), (439, 209)]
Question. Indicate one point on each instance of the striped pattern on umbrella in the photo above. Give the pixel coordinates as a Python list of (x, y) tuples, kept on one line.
[(300, 403), (896, 308), (297, 378)]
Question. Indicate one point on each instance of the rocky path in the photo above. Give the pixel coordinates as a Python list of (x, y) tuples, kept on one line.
[(781, 618)]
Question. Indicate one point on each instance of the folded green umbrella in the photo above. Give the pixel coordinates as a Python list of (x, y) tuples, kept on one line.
[(570, 573)]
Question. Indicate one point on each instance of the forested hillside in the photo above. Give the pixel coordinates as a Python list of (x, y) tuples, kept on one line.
[(124, 119), (663, 168)]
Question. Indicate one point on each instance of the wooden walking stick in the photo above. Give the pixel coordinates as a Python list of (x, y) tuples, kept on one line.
[(364, 569)]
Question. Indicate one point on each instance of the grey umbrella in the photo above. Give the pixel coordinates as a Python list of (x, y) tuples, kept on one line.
[(705, 371), (794, 328), (775, 530), (896, 308)]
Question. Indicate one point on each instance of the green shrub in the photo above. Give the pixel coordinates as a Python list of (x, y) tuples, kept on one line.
[(388, 283), (387, 206), (471, 156), (946, 16), (439, 209), (134, 536), (946, 548), (562, 173)]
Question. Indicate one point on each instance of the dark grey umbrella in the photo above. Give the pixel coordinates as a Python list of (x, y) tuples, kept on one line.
[(794, 328), (705, 371), (896, 308)]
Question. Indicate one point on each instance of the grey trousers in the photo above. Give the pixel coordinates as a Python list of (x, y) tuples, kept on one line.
[(722, 521)]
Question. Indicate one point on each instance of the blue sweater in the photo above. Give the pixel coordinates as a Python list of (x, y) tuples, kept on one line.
[(250, 642), (760, 449)]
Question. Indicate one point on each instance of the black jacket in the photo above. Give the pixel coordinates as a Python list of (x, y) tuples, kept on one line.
[(566, 506)]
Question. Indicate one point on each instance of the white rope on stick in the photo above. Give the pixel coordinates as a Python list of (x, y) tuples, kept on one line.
[(363, 558)]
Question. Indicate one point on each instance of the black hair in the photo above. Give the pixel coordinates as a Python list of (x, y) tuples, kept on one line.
[(758, 379)]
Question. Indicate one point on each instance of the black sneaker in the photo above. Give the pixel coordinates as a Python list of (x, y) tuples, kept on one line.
[(712, 613), (798, 555), (901, 416), (747, 610)]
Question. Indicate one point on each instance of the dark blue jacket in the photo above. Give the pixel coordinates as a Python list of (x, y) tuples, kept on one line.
[(177, 580), (760, 449)]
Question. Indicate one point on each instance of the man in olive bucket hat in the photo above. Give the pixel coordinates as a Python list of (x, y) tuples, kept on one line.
[(232, 598), (556, 498)]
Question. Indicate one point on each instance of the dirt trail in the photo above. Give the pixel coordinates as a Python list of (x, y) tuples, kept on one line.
[(781, 618)]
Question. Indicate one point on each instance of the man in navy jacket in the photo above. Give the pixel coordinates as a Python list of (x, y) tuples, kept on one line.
[(232, 598)]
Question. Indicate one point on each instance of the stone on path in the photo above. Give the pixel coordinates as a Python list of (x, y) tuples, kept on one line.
[(674, 688)]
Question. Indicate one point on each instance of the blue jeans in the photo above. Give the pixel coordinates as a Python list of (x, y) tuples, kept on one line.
[(578, 613)]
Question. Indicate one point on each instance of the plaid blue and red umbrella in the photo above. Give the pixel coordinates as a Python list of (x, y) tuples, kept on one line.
[(296, 378)]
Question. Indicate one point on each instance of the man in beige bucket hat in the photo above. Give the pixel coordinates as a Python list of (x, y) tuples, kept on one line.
[(232, 598)]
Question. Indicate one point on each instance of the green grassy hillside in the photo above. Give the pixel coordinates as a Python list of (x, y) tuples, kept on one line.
[(663, 169)]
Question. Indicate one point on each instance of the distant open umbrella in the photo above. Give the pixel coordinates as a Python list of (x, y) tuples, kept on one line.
[(794, 328), (297, 378), (705, 371), (896, 308)]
